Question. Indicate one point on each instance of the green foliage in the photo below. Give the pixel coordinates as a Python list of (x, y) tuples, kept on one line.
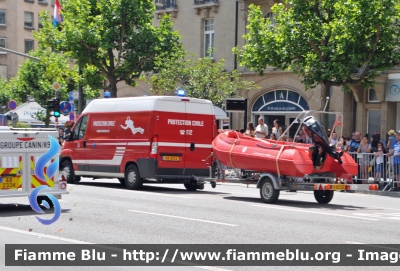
[(328, 42), (22, 125), (114, 39), (5, 96), (35, 79), (201, 78)]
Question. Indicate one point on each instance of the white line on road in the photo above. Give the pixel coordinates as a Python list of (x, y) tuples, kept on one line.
[(45, 235), (387, 208), (356, 243), (311, 212), (187, 218), (151, 193)]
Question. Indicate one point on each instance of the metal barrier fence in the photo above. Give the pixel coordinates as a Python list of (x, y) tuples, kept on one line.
[(371, 169), (375, 169)]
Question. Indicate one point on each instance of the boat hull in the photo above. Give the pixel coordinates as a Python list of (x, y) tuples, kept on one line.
[(236, 150)]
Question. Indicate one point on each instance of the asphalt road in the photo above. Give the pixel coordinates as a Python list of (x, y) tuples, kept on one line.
[(103, 212)]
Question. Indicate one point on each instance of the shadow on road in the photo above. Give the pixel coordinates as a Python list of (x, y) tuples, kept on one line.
[(11, 210), (150, 187), (303, 204)]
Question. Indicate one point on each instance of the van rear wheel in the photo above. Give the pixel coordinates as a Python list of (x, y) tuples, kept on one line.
[(190, 186), (132, 178)]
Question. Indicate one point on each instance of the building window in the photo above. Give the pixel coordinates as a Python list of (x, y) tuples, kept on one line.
[(372, 97), (208, 37), (52, 2), (40, 25), (28, 19), (270, 16), (42, 2), (28, 46), (374, 121), (2, 16)]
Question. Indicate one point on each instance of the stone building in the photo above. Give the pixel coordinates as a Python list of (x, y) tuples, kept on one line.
[(18, 20), (221, 24)]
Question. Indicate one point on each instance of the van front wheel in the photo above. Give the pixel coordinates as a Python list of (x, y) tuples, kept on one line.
[(132, 178), (68, 171)]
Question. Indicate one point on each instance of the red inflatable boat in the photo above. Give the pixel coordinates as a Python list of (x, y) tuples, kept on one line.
[(236, 150)]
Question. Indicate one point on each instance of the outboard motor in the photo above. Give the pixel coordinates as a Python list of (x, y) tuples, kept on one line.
[(314, 130)]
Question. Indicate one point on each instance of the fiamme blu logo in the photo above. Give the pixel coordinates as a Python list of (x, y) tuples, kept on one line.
[(45, 174)]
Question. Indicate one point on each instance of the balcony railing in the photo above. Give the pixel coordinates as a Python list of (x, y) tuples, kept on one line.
[(202, 2), (205, 5), (166, 7)]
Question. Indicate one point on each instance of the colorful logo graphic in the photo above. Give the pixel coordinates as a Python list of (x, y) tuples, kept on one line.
[(45, 174), (129, 124)]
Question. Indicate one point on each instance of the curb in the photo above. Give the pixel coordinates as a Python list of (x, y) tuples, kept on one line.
[(381, 193)]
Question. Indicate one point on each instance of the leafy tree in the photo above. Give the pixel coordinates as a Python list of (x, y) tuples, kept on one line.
[(35, 78), (201, 78), (327, 42), (5, 96), (116, 37)]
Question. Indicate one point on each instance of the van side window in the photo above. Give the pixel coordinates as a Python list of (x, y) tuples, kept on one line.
[(80, 128)]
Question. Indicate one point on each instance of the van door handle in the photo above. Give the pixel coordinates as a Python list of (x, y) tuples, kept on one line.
[(84, 143), (192, 146)]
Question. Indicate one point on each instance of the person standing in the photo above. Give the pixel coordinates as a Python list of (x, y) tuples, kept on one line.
[(250, 131), (364, 147), (262, 129), (396, 158), (334, 139), (276, 129)]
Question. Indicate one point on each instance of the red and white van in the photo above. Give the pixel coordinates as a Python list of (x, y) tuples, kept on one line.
[(136, 138)]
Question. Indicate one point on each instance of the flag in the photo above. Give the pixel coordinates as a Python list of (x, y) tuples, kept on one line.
[(57, 14)]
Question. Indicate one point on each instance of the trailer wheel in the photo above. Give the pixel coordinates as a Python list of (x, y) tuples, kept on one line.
[(323, 196), (39, 200), (267, 191), (67, 171), (132, 178)]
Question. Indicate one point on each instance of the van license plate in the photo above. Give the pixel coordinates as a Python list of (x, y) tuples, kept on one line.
[(171, 158), (9, 182), (338, 187)]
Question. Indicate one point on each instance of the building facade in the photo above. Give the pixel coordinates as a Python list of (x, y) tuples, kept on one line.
[(18, 20), (221, 24)]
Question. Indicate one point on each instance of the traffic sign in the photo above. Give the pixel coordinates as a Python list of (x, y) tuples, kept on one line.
[(72, 116), (12, 105), (56, 86), (75, 94), (65, 108)]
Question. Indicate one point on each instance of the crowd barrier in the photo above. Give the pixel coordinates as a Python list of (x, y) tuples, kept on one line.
[(371, 169), (375, 169)]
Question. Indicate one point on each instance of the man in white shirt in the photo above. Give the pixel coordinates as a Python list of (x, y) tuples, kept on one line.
[(334, 139), (262, 129)]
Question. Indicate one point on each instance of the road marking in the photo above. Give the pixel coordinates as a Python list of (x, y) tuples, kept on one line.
[(381, 215), (44, 235), (356, 243), (61, 200), (387, 208), (212, 268), (187, 218), (311, 212), (155, 193)]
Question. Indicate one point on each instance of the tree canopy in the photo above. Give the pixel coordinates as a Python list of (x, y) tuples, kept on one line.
[(327, 42), (201, 78), (35, 78), (116, 38)]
